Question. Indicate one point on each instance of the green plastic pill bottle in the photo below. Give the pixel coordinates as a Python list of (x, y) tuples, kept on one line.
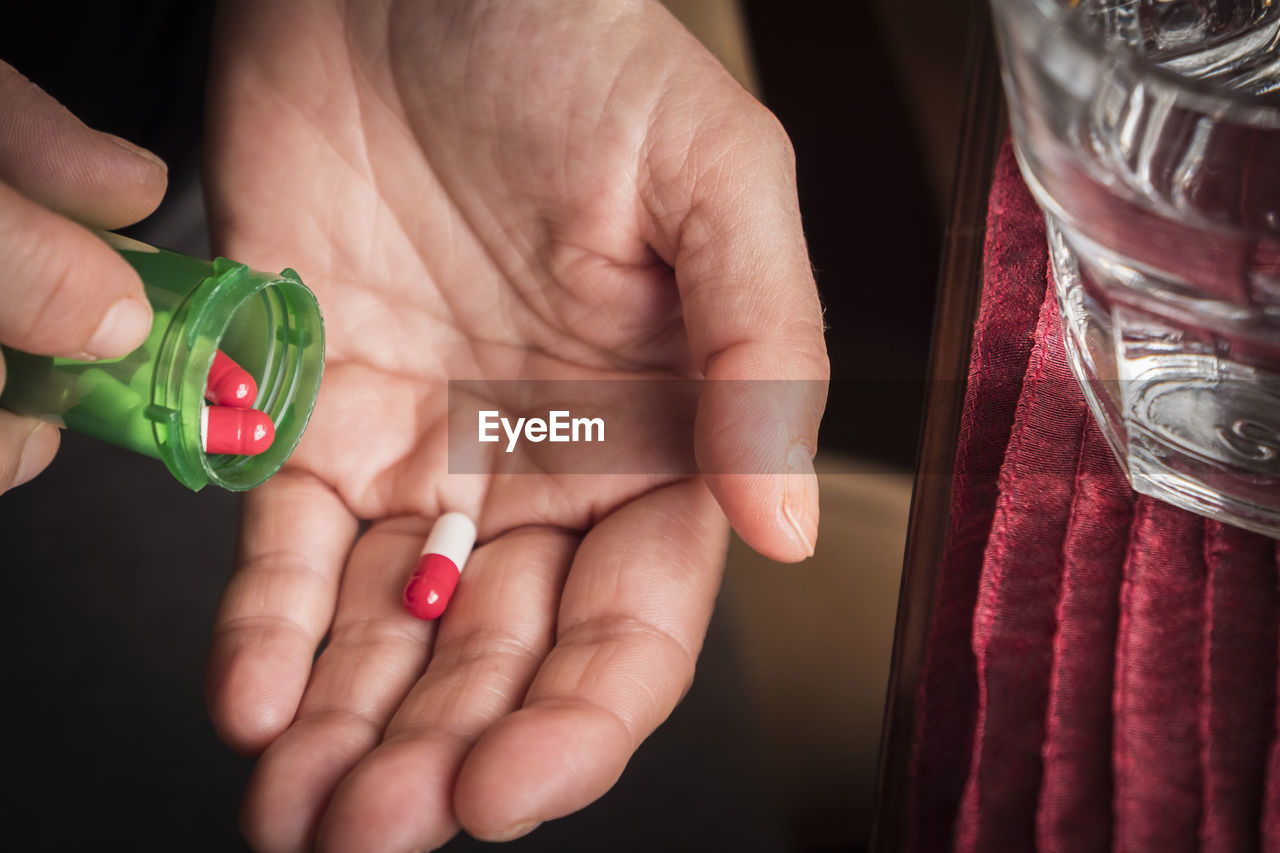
[(150, 400)]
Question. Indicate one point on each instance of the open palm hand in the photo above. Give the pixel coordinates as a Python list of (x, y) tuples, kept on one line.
[(502, 191)]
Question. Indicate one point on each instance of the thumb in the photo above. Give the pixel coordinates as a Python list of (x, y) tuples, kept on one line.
[(755, 326), (65, 292)]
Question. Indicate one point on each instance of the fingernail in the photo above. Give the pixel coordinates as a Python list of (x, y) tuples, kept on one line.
[(123, 329), (35, 453), (800, 498), (138, 151), (518, 831)]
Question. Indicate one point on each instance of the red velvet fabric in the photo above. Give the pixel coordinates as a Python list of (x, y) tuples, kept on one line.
[(1100, 672)]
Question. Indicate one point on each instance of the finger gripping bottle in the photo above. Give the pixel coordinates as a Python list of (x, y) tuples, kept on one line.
[(152, 400)]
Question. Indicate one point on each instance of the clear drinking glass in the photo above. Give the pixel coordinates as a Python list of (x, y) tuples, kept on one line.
[(1149, 132)]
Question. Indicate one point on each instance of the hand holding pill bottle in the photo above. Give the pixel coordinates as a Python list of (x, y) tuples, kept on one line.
[(125, 341), (156, 399), (64, 293)]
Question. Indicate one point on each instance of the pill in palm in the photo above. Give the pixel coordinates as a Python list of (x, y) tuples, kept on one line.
[(432, 584), (243, 432), (229, 384)]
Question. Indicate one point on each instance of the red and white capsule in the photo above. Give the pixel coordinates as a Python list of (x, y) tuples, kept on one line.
[(242, 432), (229, 384), (432, 584)]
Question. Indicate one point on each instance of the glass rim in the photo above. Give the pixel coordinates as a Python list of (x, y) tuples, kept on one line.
[(1209, 97)]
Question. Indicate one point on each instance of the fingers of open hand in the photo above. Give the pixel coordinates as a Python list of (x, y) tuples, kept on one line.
[(373, 653), (538, 689), (631, 623), (294, 541), (729, 221), (498, 629)]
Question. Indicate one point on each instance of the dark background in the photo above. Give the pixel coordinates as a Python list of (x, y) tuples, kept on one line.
[(114, 570)]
